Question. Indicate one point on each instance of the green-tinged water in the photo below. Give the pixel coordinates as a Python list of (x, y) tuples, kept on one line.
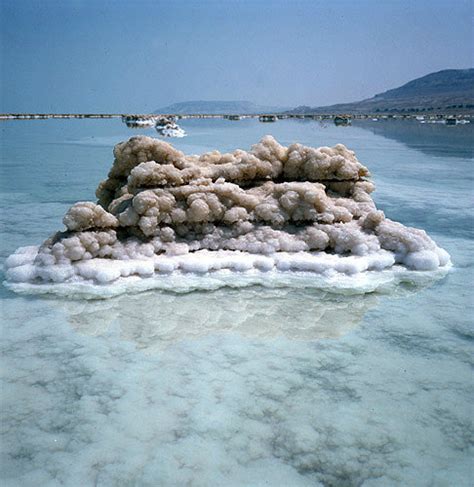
[(241, 387)]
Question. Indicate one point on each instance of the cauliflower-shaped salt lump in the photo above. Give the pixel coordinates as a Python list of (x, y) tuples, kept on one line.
[(85, 215)]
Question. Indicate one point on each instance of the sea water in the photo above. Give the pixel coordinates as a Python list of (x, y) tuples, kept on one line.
[(261, 385)]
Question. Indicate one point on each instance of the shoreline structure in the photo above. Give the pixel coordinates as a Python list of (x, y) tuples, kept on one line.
[(328, 116)]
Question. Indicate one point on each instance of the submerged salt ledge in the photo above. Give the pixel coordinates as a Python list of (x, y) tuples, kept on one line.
[(272, 210)]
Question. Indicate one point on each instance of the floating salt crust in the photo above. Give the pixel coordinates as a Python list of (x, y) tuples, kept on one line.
[(274, 215)]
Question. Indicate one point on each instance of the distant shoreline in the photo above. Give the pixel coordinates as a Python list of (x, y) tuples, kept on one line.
[(313, 116)]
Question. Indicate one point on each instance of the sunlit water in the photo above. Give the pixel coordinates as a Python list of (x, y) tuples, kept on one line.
[(240, 387)]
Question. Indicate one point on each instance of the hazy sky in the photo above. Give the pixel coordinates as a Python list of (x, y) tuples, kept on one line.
[(135, 56)]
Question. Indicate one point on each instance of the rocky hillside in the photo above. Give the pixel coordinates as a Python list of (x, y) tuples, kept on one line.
[(444, 91)]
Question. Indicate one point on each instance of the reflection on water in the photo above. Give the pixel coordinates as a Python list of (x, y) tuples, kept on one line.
[(432, 139), (153, 320)]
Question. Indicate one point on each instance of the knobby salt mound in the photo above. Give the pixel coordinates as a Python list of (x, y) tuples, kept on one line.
[(267, 211)]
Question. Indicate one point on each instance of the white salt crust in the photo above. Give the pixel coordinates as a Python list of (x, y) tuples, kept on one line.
[(262, 214), (203, 269)]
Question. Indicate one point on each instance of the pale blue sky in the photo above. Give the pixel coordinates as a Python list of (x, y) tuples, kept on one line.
[(135, 56)]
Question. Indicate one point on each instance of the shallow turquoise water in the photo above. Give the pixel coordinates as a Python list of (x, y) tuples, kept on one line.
[(246, 387)]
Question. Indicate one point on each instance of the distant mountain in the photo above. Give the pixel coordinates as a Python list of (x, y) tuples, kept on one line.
[(445, 91), (218, 107)]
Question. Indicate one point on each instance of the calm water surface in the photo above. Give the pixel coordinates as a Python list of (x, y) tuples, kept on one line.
[(250, 387)]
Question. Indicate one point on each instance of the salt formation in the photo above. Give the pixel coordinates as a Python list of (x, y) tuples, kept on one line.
[(167, 127), (270, 210)]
